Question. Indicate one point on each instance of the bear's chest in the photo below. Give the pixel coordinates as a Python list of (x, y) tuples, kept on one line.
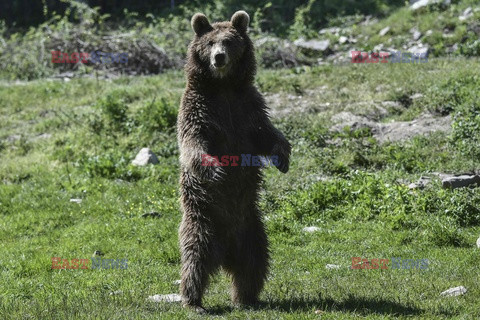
[(232, 113)]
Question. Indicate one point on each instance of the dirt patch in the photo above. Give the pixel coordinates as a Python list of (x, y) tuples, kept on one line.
[(392, 131), (312, 101)]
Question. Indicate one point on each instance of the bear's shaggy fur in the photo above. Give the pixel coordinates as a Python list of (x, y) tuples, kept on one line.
[(222, 113)]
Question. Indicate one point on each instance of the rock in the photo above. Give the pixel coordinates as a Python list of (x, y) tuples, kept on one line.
[(97, 253), (342, 40), (384, 31), (422, 4), (428, 33), (172, 297), (315, 45), (311, 229), (421, 183), (416, 35), (422, 50), (453, 292), (452, 49), (151, 215), (369, 21), (416, 96), (76, 200), (461, 181), (378, 47), (332, 266), (332, 30), (478, 243), (177, 282), (115, 293), (144, 157), (466, 14)]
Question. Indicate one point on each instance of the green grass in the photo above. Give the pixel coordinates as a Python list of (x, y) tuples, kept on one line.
[(355, 192)]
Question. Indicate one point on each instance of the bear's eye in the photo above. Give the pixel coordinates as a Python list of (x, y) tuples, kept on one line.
[(210, 43)]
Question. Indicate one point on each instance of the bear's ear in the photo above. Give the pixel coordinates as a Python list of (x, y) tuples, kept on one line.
[(200, 24), (240, 20)]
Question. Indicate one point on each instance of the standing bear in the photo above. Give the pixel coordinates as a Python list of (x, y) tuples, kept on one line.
[(223, 114)]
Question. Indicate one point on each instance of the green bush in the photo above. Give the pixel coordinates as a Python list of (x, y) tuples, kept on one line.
[(158, 115), (113, 110)]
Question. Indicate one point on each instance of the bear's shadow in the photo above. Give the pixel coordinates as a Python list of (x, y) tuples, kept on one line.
[(362, 306)]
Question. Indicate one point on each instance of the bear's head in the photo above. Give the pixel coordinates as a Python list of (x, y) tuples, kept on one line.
[(221, 50)]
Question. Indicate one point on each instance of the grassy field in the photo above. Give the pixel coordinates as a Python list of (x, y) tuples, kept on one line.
[(76, 139)]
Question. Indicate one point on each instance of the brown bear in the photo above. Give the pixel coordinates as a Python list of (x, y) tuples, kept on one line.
[(223, 114)]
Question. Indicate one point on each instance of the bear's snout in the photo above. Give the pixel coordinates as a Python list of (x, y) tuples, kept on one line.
[(219, 57)]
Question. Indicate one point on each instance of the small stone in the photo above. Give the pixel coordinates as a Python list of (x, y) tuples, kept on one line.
[(420, 184), (151, 215), (332, 266), (144, 157), (422, 50), (172, 297), (453, 292), (319, 311), (417, 35), (115, 293), (461, 181), (420, 4), (311, 229), (76, 200), (466, 14), (378, 47), (416, 96), (177, 282), (342, 40), (384, 31), (98, 253)]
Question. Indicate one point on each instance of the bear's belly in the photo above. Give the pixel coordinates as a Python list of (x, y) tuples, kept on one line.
[(233, 196)]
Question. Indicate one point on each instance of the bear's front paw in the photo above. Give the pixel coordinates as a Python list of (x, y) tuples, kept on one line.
[(283, 154)]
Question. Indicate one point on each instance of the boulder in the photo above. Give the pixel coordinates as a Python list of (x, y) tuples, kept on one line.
[(144, 157), (461, 181)]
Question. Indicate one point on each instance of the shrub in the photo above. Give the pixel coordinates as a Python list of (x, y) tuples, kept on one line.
[(158, 115)]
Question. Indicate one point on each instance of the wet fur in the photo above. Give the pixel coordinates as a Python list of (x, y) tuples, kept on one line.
[(222, 225)]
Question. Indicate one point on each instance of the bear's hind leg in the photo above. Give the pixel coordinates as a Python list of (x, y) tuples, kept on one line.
[(250, 263), (200, 258)]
